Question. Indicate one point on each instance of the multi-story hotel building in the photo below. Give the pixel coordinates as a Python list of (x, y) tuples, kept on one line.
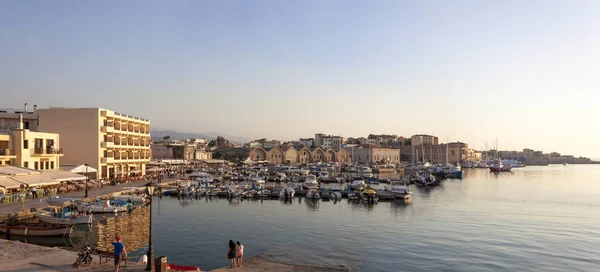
[(20, 146), (115, 144)]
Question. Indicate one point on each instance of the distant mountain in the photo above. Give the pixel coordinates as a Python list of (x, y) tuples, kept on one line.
[(158, 134)]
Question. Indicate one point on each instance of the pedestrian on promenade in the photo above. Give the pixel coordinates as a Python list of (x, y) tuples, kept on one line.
[(34, 192), (120, 252), (240, 254), (232, 254)]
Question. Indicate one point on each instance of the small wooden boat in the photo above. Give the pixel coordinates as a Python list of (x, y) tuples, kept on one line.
[(37, 230), (63, 217)]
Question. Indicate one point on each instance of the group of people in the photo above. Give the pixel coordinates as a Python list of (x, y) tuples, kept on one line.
[(235, 254)]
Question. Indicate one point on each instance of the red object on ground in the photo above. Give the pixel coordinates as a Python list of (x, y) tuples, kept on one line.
[(177, 267)]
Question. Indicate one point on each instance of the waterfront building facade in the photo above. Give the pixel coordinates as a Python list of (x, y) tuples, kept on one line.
[(373, 154), (116, 144), (303, 155), (26, 148), (458, 152)]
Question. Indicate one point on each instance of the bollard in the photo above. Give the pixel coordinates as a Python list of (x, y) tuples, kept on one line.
[(160, 264)]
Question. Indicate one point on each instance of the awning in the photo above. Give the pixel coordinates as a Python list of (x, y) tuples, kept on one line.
[(9, 183), (79, 168), (35, 180), (63, 175)]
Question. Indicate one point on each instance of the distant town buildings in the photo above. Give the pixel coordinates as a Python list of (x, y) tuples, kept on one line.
[(303, 155)]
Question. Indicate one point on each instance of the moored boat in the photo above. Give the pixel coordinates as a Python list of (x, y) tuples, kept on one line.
[(64, 217), (37, 230), (401, 192)]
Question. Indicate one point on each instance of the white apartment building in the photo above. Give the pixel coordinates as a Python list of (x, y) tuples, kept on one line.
[(116, 144)]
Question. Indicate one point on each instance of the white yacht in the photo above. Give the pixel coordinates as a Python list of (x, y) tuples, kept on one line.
[(401, 192), (311, 182)]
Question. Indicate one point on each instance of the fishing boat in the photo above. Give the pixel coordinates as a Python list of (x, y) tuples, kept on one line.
[(249, 194), (401, 192), (453, 171), (63, 217), (32, 229), (424, 178), (105, 207)]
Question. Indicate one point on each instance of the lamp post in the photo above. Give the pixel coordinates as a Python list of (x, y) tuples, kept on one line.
[(87, 179), (150, 254)]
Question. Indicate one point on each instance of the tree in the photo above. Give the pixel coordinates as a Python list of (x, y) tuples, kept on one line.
[(407, 141), (166, 138), (371, 136)]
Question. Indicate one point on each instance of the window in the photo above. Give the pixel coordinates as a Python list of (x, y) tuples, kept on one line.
[(26, 125), (52, 165), (47, 165), (36, 165), (26, 164), (26, 144)]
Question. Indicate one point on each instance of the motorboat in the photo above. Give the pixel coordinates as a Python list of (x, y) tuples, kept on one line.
[(453, 171), (249, 194), (289, 191), (354, 195), (357, 184), (500, 167), (323, 175), (335, 194), (214, 192), (424, 178), (63, 217), (313, 194), (401, 192), (106, 207), (264, 193), (368, 194), (365, 171), (134, 199), (311, 182), (36, 229)]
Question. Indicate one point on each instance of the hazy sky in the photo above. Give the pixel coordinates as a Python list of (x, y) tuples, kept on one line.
[(527, 72)]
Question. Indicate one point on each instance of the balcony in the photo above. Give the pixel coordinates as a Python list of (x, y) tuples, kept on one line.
[(48, 151), (7, 153), (107, 129), (107, 144)]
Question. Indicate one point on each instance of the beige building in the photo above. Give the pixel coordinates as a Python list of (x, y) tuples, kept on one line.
[(25, 148), (371, 154), (115, 144), (423, 139)]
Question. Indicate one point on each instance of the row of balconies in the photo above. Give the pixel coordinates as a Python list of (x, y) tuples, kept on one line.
[(120, 115), (108, 158), (111, 126)]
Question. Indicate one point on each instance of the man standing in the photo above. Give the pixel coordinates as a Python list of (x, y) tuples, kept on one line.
[(34, 192), (120, 252)]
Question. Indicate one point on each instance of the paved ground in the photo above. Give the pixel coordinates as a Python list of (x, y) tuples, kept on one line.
[(9, 208)]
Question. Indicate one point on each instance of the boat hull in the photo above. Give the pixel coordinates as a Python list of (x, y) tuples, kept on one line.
[(85, 219), (37, 231)]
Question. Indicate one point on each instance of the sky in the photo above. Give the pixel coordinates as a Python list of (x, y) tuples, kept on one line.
[(525, 72)]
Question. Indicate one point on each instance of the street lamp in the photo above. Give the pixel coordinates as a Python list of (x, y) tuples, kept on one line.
[(150, 254), (87, 179)]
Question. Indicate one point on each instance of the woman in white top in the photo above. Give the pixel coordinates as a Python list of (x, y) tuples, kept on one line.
[(240, 253)]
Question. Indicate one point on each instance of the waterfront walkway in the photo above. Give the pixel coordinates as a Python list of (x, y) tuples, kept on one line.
[(9, 208)]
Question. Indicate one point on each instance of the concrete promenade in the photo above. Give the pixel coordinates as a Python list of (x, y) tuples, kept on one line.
[(9, 208)]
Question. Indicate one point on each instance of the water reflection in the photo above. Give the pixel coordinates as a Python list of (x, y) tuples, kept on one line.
[(312, 204)]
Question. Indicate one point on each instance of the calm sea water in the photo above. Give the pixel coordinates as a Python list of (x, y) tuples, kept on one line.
[(533, 219)]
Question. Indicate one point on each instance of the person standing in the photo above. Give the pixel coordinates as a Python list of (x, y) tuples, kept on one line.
[(34, 193), (240, 254), (232, 254), (120, 252)]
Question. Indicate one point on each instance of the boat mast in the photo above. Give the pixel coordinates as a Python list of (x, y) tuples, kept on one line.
[(447, 150)]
